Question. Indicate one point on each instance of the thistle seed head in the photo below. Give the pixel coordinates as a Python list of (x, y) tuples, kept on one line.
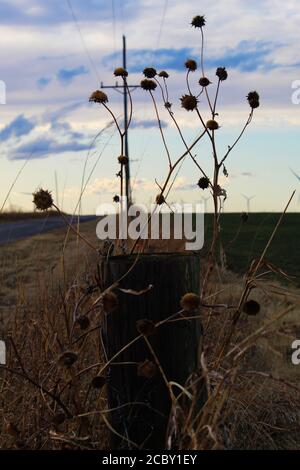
[(189, 102), (190, 302), (98, 382), (145, 327), (163, 74), (191, 65), (198, 21), (251, 307), (212, 125), (83, 322), (253, 99), (147, 369), (148, 85), (204, 82), (221, 73), (68, 358), (120, 72), (42, 199), (160, 199), (123, 159), (98, 96), (149, 72), (203, 183), (110, 301)]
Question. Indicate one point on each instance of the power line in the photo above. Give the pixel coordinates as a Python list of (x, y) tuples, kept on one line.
[(82, 40), (162, 23)]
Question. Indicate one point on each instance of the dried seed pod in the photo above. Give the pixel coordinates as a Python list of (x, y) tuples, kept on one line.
[(168, 105), (145, 327), (110, 301), (120, 72), (212, 125), (222, 73), (191, 65), (190, 302), (59, 418), (251, 307), (42, 199), (149, 72), (203, 183), (68, 358), (98, 96), (253, 99), (163, 74), (98, 382), (20, 444), (123, 159), (11, 429), (83, 322), (160, 199), (148, 85), (204, 82), (147, 369), (198, 21), (116, 198), (189, 102)]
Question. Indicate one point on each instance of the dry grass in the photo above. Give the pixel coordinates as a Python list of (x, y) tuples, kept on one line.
[(253, 400)]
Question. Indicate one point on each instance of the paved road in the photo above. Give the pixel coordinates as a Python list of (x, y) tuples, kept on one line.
[(12, 231)]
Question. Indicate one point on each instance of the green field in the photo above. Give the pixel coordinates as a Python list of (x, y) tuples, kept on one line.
[(253, 236)]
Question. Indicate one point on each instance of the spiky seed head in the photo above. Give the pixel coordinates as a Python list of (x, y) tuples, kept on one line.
[(20, 444), (251, 307), (190, 302), (98, 96), (147, 369), (98, 382), (253, 99), (203, 183), (148, 85), (149, 72), (42, 199), (120, 72), (110, 301), (189, 102), (163, 74), (145, 327), (168, 105), (191, 65), (198, 21), (68, 358), (244, 217), (204, 82), (83, 322), (222, 73), (160, 199), (11, 429), (59, 418), (116, 198), (123, 159), (212, 125)]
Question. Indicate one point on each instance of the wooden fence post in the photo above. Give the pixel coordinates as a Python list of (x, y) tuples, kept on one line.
[(142, 404)]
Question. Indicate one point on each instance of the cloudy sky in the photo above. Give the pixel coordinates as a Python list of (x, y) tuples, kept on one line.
[(55, 53)]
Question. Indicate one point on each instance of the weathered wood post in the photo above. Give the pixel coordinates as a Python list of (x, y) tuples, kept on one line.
[(142, 404)]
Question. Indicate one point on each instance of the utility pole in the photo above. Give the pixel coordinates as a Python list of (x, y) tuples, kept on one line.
[(124, 90)]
